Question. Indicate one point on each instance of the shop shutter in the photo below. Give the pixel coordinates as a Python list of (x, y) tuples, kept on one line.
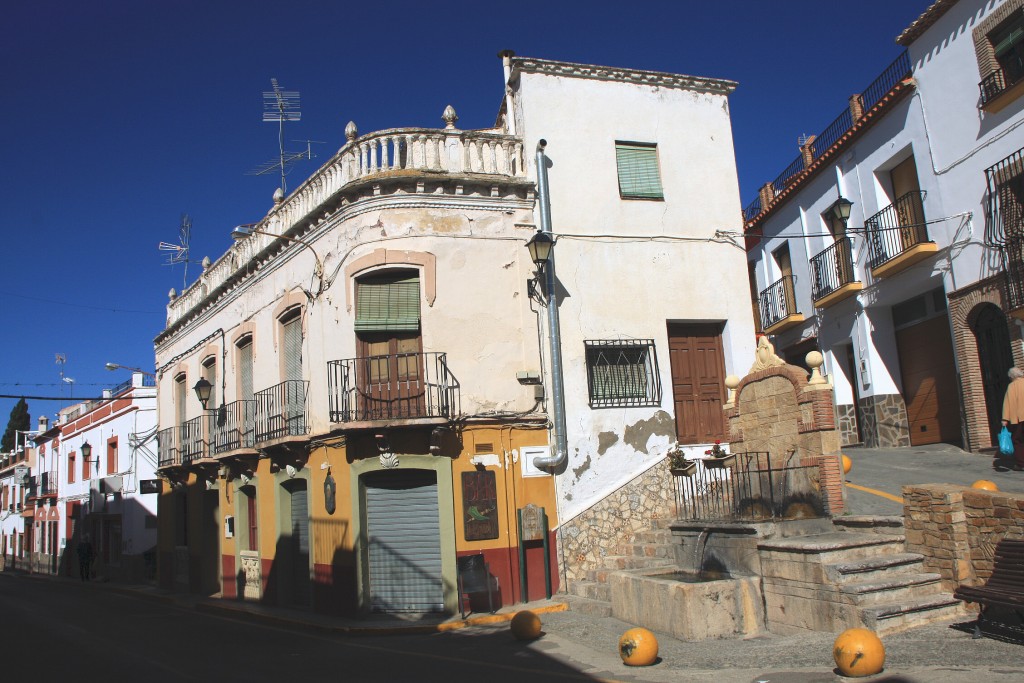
[(404, 541)]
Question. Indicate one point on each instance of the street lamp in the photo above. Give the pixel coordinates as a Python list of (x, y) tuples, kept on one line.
[(118, 366), (242, 231), (203, 389), (840, 209), (86, 451), (540, 249)]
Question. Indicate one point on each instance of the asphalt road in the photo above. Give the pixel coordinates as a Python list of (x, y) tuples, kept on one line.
[(887, 470)]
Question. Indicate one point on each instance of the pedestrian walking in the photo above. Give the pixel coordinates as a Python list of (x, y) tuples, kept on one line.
[(1013, 415), (85, 555)]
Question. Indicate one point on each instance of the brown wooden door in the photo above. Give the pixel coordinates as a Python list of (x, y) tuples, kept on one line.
[(698, 388), (390, 375), (929, 382)]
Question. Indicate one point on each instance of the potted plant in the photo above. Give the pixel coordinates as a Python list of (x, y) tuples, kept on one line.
[(678, 465), (717, 457)]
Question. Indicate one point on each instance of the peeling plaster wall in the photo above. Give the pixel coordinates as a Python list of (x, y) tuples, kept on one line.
[(619, 284)]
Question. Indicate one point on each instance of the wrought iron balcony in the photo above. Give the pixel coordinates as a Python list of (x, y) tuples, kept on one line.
[(897, 235), (232, 426), (194, 437), (281, 410), (1013, 253), (833, 277), (997, 83), (777, 305), (396, 386), (168, 452)]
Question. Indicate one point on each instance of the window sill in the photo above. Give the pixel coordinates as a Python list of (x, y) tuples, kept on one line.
[(641, 199)]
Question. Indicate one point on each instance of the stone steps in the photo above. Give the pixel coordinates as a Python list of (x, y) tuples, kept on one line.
[(886, 619), (595, 608), (872, 567), (590, 590), (864, 579)]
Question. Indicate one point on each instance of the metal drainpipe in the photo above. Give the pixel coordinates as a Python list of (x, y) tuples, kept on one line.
[(554, 337)]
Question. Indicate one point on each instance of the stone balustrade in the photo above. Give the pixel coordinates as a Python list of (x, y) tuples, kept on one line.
[(394, 152)]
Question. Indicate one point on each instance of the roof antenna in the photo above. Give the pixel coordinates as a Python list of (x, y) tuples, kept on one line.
[(179, 251), (280, 106)]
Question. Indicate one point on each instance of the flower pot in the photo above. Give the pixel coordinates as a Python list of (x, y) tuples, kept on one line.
[(720, 462), (686, 470)]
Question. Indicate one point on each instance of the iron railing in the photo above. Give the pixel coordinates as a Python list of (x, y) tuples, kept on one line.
[(281, 410), (396, 386), (47, 483), (194, 437), (168, 450), (899, 69), (232, 426), (996, 83), (777, 302), (896, 228), (1004, 222), (832, 268), (753, 488)]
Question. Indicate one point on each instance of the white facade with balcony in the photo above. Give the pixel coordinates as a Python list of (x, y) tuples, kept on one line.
[(909, 300), (398, 330)]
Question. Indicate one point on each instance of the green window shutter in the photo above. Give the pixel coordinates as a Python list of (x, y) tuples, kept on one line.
[(638, 171), (388, 304)]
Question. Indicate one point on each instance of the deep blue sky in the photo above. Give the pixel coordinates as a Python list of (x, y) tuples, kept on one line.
[(119, 116)]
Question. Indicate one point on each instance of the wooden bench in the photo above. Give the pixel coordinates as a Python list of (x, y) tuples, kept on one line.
[(1005, 588)]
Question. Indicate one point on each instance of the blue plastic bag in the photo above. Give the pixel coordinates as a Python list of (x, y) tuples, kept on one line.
[(1005, 441)]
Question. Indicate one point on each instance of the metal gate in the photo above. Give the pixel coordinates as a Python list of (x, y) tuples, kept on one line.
[(404, 541), (300, 541)]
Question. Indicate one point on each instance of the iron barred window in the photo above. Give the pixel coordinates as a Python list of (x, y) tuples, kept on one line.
[(622, 373)]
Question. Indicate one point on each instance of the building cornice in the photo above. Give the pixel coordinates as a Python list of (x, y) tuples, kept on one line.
[(924, 22), (659, 79)]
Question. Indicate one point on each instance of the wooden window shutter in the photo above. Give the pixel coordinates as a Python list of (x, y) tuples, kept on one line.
[(638, 171)]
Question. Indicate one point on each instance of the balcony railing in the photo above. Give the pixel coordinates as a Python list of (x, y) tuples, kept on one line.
[(870, 96), (777, 302), (832, 268), (281, 410), (1013, 253), (168, 451), (48, 484), (896, 228), (397, 386), (996, 83), (232, 426), (194, 437)]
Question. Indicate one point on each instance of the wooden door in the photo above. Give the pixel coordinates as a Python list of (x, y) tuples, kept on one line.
[(698, 387), (785, 264), (390, 375), (929, 382)]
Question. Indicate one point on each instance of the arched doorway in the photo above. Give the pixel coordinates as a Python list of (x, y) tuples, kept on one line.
[(995, 356)]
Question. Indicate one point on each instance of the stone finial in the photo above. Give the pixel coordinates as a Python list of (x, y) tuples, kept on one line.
[(764, 356), (351, 131), (731, 382), (449, 117), (172, 295), (814, 361), (278, 195), (206, 263)]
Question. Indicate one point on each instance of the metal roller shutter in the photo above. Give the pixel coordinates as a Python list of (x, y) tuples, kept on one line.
[(404, 541), (300, 534)]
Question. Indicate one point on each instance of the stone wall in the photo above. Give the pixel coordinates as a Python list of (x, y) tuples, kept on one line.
[(957, 528), (777, 410), (883, 420), (586, 539)]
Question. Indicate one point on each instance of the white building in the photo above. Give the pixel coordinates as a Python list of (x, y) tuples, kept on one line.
[(393, 347), (88, 480), (14, 472), (910, 299)]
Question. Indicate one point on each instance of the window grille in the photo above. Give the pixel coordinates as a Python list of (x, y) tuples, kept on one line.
[(622, 373)]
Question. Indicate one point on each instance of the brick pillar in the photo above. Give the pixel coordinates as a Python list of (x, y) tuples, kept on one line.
[(807, 150), (856, 107), (766, 195)]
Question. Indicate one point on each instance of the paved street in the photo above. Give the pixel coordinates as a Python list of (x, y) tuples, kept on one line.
[(106, 630), (887, 470)]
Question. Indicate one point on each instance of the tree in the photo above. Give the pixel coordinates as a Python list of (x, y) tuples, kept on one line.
[(19, 422)]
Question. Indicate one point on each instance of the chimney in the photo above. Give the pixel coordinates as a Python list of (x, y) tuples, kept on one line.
[(44, 423)]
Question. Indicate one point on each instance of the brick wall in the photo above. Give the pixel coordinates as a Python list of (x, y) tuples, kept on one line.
[(957, 528), (777, 411)]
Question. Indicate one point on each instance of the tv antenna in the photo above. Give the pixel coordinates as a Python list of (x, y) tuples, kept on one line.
[(62, 360), (285, 161), (280, 106), (179, 252)]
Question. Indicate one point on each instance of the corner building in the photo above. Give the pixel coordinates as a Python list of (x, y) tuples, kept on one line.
[(385, 396)]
